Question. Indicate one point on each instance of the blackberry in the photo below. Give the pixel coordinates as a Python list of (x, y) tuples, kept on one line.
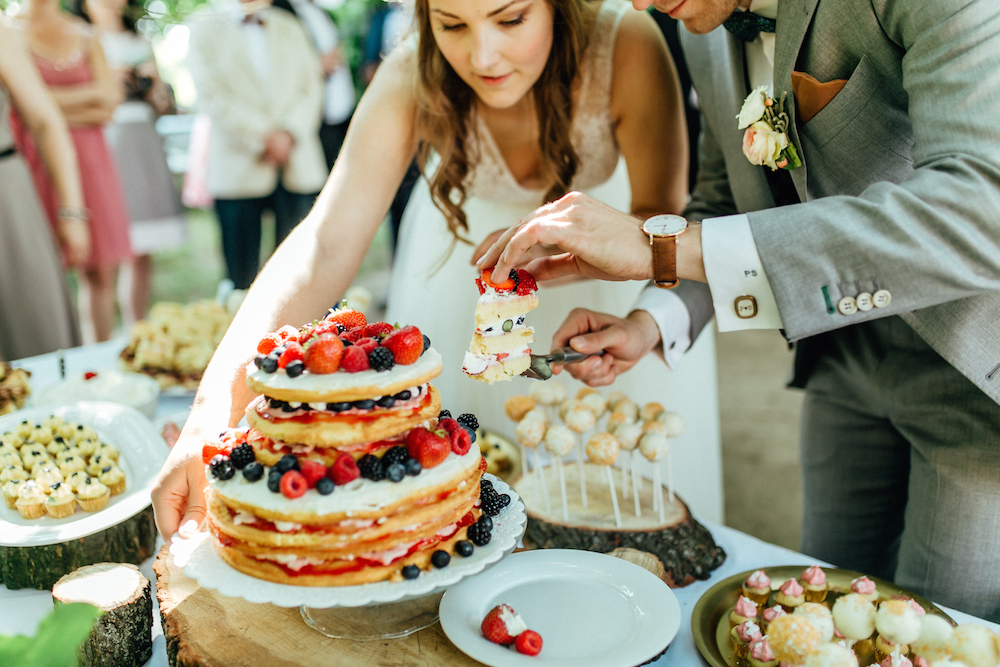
[(341, 328), (386, 402), (396, 472), (345, 342), (427, 343), (479, 534), (484, 484), (242, 456), (504, 500), (440, 559), (253, 472), (324, 486), (222, 467), (274, 481), (269, 364), (286, 463), (413, 467), (515, 278), (404, 395), (410, 572), (490, 503), (468, 419), (364, 404), (445, 414), (396, 454), (295, 368), (381, 359), (464, 548), (338, 407), (371, 468), (486, 521)]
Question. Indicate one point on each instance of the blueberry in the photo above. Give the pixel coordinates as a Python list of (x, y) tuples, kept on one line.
[(365, 404), (346, 342), (324, 486), (386, 402), (269, 364), (472, 434), (444, 414), (253, 471), (274, 403), (411, 572), (274, 481), (286, 407), (464, 548), (403, 395), (413, 467), (338, 407), (286, 463), (295, 368), (396, 472), (440, 559), (427, 343), (258, 360), (278, 351), (486, 521)]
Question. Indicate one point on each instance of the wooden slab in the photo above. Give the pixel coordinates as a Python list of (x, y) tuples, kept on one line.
[(205, 629)]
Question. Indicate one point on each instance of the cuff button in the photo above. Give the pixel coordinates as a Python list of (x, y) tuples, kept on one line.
[(746, 307), (882, 298), (847, 305), (865, 302)]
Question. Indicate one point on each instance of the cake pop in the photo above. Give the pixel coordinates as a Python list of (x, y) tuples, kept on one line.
[(548, 393), (975, 645), (934, 642), (516, 408), (673, 421), (854, 616), (792, 638), (559, 441), (650, 411), (594, 402), (831, 655), (897, 622), (529, 433), (628, 436), (820, 617)]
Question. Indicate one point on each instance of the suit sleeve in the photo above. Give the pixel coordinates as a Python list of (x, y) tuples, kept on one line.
[(935, 236), (303, 117)]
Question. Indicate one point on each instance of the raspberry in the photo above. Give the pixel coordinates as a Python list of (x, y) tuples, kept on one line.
[(479, 534), (397, 454), (406, 344), (268, 343), (242, 456), (355, 360), (447, 423), (460, 441), (468, 419), (528, 642), (505, 286), (208, 452), (293, 484), (221, 467), (346, 316), (525, 283), (323, 355), (312, 471), (371, 468), (344, 470), (381, 359), (367, 344), (293, 352), (287, 332), (378, 329)]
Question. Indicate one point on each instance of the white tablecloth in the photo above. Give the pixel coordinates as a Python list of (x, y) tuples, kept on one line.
[(21, 610)]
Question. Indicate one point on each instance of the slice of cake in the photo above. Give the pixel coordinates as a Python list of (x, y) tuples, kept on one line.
[(346, 475), (499, 348)]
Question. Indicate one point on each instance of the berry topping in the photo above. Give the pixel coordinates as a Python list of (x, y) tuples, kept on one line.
[(468, 419), (444, 414), (410, 572), (293, 352), (222, 467), (286, 463), (325, 486), (431, 448), (313, 471), (505, 286), (367, 344), (295, 368), (344, 470), (269, 364), (293, 484), (355, 360), (413, 467), (379, 329), (440, 559), (481, 286), (395, 472), (397, 454), (242, 456), (479, 533), (274, 481), (381, 359), (287, 332), (371, 468), (406, 344), (528, 642), (346, 316), (386, 402), (323, 355), (253, 472), (448, 424), (460, 441), (502, 624), (464, 548), (208, 452), (268, 343), (525, 283)]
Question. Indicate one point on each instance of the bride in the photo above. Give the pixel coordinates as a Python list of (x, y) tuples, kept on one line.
[(506, 104)]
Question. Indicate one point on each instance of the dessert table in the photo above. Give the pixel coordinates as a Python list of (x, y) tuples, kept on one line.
[(21, 610)]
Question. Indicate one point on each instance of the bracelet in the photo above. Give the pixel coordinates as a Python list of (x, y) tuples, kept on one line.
[(73, 213)]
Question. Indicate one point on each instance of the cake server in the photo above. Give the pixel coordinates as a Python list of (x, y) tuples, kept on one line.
[(541, 364)]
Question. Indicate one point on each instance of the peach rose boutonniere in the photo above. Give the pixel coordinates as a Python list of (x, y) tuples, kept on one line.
[(765, 140)]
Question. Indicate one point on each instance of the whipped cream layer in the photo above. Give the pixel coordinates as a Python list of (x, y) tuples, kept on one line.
[(495, 328), (476, 364), (266, 409), (416, 373)]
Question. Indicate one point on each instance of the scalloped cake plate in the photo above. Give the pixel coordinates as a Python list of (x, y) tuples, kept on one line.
[(590, 609), (197, 556), (143, 453)]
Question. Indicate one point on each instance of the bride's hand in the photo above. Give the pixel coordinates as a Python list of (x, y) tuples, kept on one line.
[(179, 495), (535, 252)]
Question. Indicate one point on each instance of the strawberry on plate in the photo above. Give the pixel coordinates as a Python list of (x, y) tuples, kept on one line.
[(323, 354), (430, 448), (528, 642), (406, 345), (502, 625)]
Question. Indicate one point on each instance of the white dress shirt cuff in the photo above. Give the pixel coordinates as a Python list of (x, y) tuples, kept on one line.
[(672, 319), (741, 293)]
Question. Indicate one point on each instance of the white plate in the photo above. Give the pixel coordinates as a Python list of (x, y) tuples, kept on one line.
[(197, 556), (142, 455), (589, 608)]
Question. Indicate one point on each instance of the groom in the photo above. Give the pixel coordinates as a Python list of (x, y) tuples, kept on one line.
[(879, 255)]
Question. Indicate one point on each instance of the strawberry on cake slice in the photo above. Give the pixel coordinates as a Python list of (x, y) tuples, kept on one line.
[(499, 348)]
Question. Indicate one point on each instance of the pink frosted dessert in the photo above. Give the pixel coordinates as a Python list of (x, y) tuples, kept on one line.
[(914, 605), (790, 595), (865, 587), (761, 654), (813, 580), (769, 614), (745, 610), (897, 660), (743, 635), (757, 587)]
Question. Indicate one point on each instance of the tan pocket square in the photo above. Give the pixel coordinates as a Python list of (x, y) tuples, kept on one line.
[(812, 95)]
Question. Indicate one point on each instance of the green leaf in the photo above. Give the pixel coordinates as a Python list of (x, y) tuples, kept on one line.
[(57, 641)]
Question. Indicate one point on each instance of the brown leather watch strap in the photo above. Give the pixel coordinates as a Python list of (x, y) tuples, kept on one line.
[(664, 261)]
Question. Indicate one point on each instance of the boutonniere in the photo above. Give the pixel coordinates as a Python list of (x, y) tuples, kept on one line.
[(765, 141)]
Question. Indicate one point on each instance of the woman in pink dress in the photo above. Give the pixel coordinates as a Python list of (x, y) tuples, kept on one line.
[(70, 60)]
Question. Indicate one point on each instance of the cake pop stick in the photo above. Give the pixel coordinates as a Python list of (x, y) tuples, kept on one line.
[(614, 498), (654, 446), (559, 441), (580, 419), (634, 461), (562, 489), (516, 408), (602, 449), (529, 432), (674, 425)]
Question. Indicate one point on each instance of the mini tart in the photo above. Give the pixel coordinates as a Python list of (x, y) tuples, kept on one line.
[(52, 423), (92, 495), (87, 447), (66, 431), (84, 433), (9, 458), (10, 492), (343, 386), (30, 501), (41, 435), (114, 479), (107, 451), (23, 430), (61, 502)]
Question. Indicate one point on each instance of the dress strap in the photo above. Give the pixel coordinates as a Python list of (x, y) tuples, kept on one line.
[(599, 59)]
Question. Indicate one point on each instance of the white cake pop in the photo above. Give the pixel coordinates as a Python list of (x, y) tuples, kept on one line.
[(792, 638), (568, 405), (620, 417), (595, 403), (820, 617), (975, 645), (945, 662), (549, 392), (628, 435), (654, 446), (537, 414), (580, 419), (529, 432), (602, 449), (673, 421), (559, 440), (517, 407), (854, 616), (650, 411), (934, 642), (896, 621), (831, 655), (614, 398), (654, 427)]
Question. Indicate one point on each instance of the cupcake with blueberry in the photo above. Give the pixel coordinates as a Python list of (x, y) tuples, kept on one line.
[(742, 636), (813, 581), (92, 495), (745, 610), (757, 587), (790, 595), (768, 615), (761, 655), (866, 588), (75, 479), (30, 501), (13, 473), (61, 502), (114, 478), (10, 491)]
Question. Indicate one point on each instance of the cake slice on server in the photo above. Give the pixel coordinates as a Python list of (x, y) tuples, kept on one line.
[(499, 348)]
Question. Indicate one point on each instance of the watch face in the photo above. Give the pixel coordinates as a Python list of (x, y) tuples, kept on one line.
[(664, 225)]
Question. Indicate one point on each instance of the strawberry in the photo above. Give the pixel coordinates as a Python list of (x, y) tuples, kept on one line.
[(528, 642), (430, 448), (449, 424), (293, 485), (353, 335), (505, 286), (232, 437), (293, 352), (481, 286), (406, 344), (209, 451), (525, 284), (89, 375), (268, 343), (460, 441), (367, 344), (378, 329), (312, 471), (349, 317), (287, 332), (323, 354), (344, 470), (502, 625), (355, 360)]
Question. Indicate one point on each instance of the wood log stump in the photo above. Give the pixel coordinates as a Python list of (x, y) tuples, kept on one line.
[(131, 541), (122, 637), (686, 548)]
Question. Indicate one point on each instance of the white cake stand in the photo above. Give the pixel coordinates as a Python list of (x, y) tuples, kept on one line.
[(384, 610)]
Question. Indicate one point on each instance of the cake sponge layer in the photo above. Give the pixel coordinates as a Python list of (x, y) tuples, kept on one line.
[(502, 309), (496, 344)]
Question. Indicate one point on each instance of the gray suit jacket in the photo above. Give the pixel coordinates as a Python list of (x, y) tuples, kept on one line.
[(900, 180)]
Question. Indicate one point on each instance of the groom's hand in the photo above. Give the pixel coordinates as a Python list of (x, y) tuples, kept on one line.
[(625, 342), (592, 239)]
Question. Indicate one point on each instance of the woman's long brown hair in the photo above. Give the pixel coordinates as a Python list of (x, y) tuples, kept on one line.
[(445, 104)]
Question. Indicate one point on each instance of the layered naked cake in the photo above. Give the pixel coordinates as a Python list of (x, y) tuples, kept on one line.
[(349, 472), (500, 345)]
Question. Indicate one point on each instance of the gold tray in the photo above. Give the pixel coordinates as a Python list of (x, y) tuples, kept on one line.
[(710, 620)]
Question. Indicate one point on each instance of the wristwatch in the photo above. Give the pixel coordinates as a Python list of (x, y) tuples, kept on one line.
[(663, 231)]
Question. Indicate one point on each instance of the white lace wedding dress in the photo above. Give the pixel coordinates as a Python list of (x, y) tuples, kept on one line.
[(435, 290)]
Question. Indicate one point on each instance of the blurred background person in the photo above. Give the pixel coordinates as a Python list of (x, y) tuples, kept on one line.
[(36, 310), (154, 206), (71, 61), (261, 84)]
